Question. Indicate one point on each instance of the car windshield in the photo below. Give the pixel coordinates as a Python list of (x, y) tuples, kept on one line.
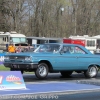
[(48, 48)]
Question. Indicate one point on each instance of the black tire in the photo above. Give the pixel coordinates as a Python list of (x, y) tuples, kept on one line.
[(42, 71), (66, 73), (91, 72), (22, 71)]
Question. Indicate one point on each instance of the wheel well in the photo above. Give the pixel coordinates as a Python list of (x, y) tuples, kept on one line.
[(97, 66), (48, 63)]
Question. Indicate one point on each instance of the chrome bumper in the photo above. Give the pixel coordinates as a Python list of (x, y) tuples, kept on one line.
[(20, 65)]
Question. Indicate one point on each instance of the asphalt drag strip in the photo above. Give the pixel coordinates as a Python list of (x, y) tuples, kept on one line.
[(51, 87)]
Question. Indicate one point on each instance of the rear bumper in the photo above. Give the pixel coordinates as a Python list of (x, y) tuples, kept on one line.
[(21, 66)]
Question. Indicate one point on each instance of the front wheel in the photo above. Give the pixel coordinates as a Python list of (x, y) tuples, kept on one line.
[(91, 72), (42, 71)]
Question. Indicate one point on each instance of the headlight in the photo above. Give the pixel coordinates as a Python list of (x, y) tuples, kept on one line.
[(28, 58), (6, 58)]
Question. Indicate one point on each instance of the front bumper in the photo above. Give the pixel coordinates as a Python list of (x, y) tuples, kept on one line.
[(24, 66)]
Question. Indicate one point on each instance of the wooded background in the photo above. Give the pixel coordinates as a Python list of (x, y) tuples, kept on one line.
[(50, 18)]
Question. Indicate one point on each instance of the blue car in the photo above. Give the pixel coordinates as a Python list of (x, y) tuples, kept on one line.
[(55, 57)]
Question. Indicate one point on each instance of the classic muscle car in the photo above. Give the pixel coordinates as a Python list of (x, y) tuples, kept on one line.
[(55, 57)]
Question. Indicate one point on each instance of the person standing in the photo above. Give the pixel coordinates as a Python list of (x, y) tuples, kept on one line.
[(19, 49), (11, 48), (29, 47)]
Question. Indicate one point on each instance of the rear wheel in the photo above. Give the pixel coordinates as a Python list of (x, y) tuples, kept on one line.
[(66, 73), (42, 71), (91, 72)]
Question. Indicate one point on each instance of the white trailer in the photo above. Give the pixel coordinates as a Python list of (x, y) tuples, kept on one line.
[(90, 42), (11, 37)]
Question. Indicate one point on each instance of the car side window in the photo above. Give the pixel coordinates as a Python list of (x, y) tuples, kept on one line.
[(68, 49), (72, 50), (65, 49), (79, 50)]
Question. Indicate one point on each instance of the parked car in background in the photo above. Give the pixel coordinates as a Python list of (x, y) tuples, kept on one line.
[(55, 57)]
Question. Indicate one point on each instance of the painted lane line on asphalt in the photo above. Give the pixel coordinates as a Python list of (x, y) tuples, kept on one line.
[(50, 92), (45, 82), (14, 89)]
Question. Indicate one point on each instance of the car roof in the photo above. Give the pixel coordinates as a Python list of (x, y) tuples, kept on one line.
[(72, 45), (64, 44)]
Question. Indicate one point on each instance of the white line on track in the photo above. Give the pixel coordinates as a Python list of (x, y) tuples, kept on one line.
[(53, 92), (13, 89), (45, 82)]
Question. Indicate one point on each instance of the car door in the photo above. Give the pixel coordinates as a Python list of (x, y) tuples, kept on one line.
[(82, 57), (67, 59)]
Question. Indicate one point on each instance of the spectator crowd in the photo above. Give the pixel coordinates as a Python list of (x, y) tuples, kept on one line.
[(13, 49)]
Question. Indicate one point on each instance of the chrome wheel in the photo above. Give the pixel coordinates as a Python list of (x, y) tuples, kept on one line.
[(91, 72), (41, 71)]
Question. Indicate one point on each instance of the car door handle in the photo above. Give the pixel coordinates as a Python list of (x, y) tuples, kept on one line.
[(76, 57)]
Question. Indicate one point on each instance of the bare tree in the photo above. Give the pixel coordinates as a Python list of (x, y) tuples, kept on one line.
[(51, 18)]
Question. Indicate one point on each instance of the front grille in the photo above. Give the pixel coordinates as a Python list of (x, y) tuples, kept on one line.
[(17, 57), (16, 60)]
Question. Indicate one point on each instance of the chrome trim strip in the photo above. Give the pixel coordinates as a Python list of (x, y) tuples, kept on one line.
[(19, 63), (69, 56)]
